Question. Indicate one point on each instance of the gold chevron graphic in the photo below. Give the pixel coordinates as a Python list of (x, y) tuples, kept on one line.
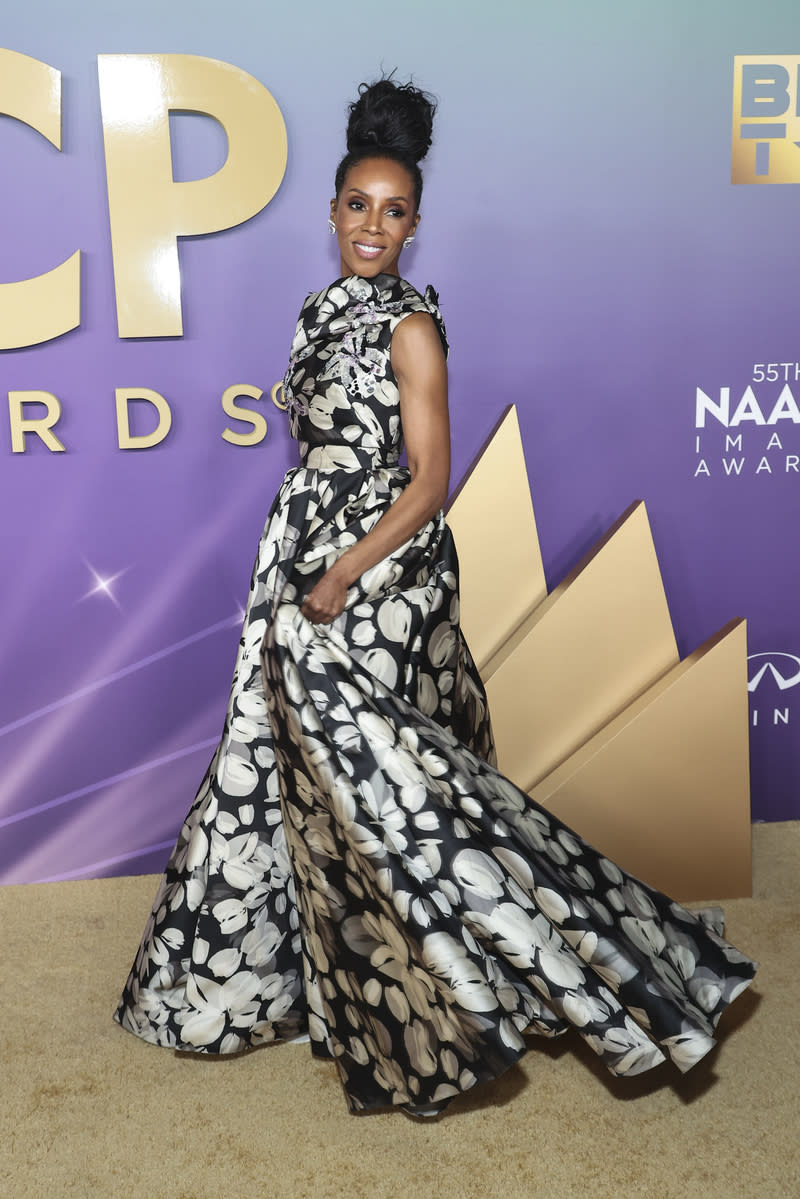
[(663, 788), (501, 571), (593, 712)]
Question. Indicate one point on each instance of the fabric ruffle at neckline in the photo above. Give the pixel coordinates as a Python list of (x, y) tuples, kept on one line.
[(369, 301), (346, 313)]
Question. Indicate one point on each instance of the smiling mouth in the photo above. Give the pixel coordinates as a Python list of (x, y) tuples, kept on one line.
[(367, 251)]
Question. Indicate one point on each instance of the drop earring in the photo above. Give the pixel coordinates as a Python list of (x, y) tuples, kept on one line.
[(408, 241), (331, 226)]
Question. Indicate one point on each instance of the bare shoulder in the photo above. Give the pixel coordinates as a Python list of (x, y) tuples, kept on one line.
[(416, 341)]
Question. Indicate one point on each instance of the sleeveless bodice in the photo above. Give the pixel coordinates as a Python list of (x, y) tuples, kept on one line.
[(340, 389)]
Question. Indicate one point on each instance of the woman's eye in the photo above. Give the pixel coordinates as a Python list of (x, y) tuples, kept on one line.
[(398, 212), (356, 205)]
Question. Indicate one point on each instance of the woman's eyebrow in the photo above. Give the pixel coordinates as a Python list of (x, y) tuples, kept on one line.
[(389, 200)]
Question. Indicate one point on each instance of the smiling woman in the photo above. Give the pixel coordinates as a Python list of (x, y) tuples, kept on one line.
[(375, 216), (353, 864), (375, 211)]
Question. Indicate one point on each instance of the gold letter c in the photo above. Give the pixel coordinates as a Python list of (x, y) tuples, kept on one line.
[(38, 309)]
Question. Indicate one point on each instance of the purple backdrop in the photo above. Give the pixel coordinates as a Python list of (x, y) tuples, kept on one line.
[(596, 267)]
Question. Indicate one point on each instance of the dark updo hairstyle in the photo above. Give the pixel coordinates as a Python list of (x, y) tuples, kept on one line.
[(389, 120)]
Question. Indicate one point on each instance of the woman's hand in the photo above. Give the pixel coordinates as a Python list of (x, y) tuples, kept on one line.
[(327, 598)]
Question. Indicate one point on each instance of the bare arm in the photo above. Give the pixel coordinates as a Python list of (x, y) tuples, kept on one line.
[(421, 372)]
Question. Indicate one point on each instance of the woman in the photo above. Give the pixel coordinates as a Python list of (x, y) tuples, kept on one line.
[(353, 865)]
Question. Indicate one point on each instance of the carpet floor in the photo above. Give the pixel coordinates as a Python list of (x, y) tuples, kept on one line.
[(87, 1110)]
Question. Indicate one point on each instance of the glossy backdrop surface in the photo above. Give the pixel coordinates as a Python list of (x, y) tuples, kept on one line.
[(596, 267)]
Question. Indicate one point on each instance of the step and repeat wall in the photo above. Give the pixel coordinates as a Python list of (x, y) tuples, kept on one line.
[(611, 219)]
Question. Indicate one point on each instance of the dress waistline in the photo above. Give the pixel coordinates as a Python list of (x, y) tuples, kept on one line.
[(344, 457)]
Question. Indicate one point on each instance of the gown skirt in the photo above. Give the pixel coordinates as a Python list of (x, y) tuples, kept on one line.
[(354, 866)]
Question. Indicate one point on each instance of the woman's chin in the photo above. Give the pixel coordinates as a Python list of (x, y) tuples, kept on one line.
[(368, 268)]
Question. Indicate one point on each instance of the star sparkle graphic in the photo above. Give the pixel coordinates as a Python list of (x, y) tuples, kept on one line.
[(103, 584)]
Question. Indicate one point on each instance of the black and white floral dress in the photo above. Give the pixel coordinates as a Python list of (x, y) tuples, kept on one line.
[(353, 865)]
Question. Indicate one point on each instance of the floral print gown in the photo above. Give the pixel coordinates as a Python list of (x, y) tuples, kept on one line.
[(353, 865)]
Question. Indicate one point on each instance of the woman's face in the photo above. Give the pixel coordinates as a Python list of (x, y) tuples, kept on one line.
[(374, 213)]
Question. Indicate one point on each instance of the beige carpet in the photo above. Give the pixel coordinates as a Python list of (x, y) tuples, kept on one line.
[(88, 1110)]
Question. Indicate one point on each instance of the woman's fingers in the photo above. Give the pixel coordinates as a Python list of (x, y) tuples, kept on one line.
[(316, 617), (317, 614), (325, 601)]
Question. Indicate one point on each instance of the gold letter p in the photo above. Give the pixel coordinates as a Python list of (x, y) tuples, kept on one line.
[(148, 210)]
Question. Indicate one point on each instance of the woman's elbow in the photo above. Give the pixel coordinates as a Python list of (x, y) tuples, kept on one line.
[(432, 489), (435, 498), (438, 499), (431, 481)]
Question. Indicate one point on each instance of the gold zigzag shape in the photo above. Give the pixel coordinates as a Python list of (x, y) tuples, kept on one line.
[(500, 565), (593, 712)]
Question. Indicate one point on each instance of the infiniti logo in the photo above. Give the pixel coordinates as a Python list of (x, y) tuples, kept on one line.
[(784, 669)]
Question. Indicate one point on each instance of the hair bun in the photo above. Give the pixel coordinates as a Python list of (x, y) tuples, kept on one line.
[(394, 117)]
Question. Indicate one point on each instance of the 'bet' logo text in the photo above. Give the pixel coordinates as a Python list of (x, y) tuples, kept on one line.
[(766, 119)]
